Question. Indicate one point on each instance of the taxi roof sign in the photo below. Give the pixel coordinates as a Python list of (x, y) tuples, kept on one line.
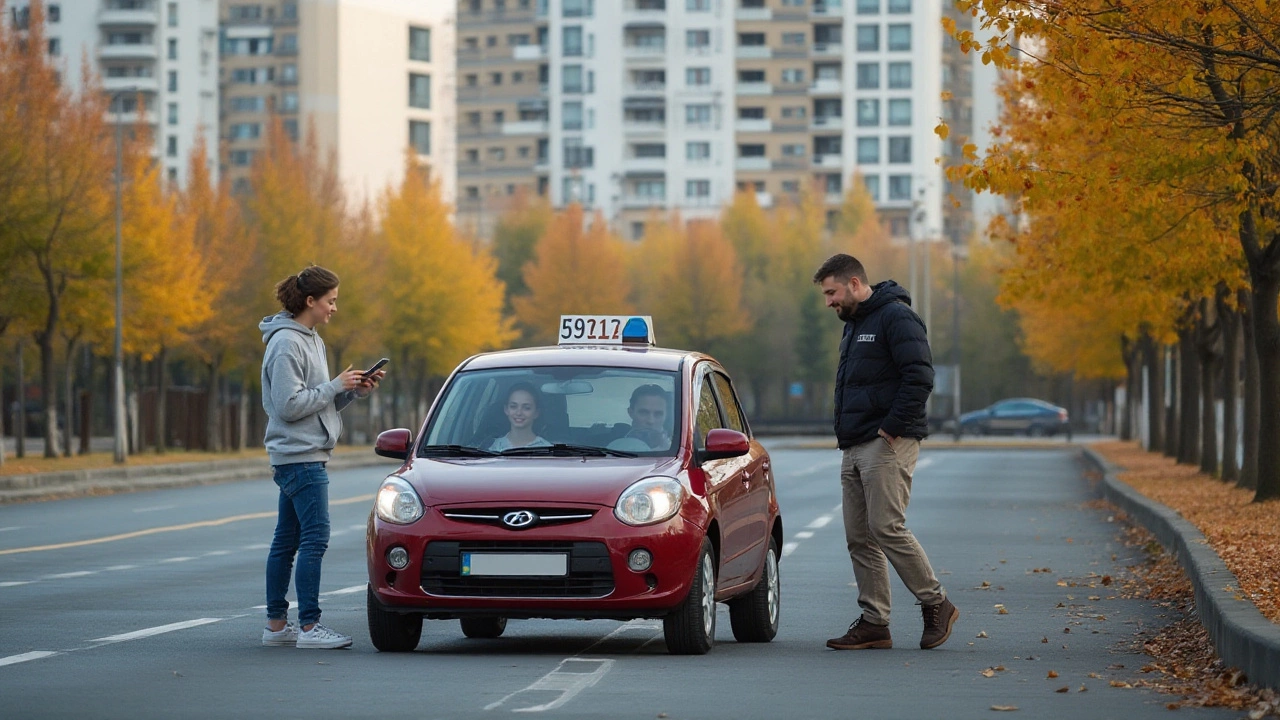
[(606, 330)]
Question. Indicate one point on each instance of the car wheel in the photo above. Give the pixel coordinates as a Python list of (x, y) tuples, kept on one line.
[(1036, 431), (389, 631), (690, 629), (483, 627), (754, 616)]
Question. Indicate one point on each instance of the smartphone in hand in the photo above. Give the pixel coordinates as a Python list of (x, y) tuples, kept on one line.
[(376, 367)]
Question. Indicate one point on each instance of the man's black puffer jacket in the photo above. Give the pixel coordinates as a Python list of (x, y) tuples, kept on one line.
[(886, 370)]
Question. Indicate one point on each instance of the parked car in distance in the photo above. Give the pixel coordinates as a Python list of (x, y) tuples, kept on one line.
[(1017, 416)]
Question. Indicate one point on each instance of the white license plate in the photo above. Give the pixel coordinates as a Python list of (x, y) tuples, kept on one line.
[(515, 564)]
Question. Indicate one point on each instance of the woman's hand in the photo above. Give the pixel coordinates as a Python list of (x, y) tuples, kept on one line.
[(351, 379), (370, 383)]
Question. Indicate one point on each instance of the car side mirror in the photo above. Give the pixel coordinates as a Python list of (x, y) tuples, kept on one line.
[(725, 443), (393, 443)]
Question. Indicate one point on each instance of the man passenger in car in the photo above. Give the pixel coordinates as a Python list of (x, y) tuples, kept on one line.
[(648, 413)]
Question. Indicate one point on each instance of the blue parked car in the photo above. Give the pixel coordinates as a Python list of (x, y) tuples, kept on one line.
[(1016, 416)]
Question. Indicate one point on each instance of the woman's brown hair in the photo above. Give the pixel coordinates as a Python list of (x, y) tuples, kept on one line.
[(313, 281)]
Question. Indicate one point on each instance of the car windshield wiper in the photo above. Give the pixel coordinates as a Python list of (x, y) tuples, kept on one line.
[(563, 449), (453, 451)]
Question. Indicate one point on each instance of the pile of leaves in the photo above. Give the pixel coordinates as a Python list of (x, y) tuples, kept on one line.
[(1245, 534)]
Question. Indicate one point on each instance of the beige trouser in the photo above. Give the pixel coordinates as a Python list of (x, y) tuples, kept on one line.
[(876, 480)]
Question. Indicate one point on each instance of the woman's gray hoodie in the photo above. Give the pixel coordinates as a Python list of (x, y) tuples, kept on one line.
[(302, 403)]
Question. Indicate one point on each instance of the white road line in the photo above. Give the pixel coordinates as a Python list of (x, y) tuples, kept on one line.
[(176, 559), (16, 583), (154, 508), (76, 574), (257, 546), (159, 630), (344, 591), (804, 535), (819, 522), (216, 553), (788, 548), (585, 673), (839, 506), (923, 463), (119, 567), (12, 527), (24, 657)]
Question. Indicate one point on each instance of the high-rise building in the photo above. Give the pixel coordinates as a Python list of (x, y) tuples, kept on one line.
[(158, 60), (629, 106), (372, 78)]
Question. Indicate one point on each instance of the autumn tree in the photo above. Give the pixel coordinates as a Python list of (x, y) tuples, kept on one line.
[(576, 270)]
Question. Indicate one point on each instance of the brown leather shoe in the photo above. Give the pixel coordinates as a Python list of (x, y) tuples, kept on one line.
[(938, 620), (863, 635)]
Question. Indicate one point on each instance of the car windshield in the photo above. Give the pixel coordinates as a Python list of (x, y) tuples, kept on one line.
[(561, 409)]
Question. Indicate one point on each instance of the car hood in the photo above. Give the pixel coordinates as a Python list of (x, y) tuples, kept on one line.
[(596, 481)]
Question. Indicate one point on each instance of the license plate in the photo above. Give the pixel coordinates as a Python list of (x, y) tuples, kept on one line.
[(515, 564)]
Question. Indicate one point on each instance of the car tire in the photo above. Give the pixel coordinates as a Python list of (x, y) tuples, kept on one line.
[(483, 628), (390, 631), (754, 616), (690, 629), (1036, 431)]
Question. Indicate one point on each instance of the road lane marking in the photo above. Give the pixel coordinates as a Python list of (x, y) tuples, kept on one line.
[(216, 553), (120, 567), (174, 560), (804, 535), (819, 522), (154, 508), (345, 591), (24, 657), (12, 527), (158, 630), (569, 683), (257, 546), (76, 574), (16, 583), (788, 548), (171, 528)]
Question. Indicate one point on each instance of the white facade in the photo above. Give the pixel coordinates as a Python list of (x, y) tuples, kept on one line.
[(165, 51), (640, 75), (987, 107)]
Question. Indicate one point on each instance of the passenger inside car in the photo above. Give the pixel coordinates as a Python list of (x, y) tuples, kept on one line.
[(522, 412)]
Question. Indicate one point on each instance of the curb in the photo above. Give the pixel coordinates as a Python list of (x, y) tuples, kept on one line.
[(1243, 637), (105, 481)]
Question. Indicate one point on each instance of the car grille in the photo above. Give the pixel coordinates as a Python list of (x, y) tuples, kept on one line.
[(590, 573), (544, 516)]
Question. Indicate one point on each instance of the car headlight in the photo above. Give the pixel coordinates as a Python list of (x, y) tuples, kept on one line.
[(650, 500), (397, 502)]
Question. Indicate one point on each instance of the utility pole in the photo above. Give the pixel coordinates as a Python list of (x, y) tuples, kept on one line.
[(117, 400)]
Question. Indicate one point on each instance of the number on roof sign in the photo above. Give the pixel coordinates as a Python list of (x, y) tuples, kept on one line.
[(606, 330)]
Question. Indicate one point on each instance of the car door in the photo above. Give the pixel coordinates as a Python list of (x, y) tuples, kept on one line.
[(754, 474), (726, 492)]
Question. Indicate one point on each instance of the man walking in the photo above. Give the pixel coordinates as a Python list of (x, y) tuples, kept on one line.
[(883, 380)]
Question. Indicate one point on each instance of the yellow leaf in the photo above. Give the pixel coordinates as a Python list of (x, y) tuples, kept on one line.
[(942, 130)]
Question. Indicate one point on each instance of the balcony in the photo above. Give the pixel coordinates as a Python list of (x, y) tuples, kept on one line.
[(752, 164), (644, 126), (826, 86), (528, 52), (753, 125), (644, 165), (646, 12), (834, 161), (754, 88), (834, 198), (828, 49), (138, 51), (645, 88), (139, 84), (827, 122), (526, 127), (643, 201), (827, 8), (645, 52), (753, 14), (129, 18), (150, 117), (754, 52)]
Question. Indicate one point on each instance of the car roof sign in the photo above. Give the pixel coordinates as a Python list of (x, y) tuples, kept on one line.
[(606, 330)]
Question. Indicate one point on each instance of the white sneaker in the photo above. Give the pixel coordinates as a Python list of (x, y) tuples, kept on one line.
[(320, 636), (288, 637)]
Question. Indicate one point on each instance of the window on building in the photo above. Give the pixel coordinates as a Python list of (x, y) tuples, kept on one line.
[(491, 41), (245, 12), (571, 37), (900, 111), (420, 136), (872, 184), (899, 37), (289, 73), (173, 48), (172, 174), (697, 76), (55, 47), (248, 103), (471, 80), (473, 119), (868, 112), (751, 113), (697, 151), (868, 150), (900, 150), (289, 102), (499, 117), (53, 13), (750, 150), (650, 150), (651, 189), (793, 75), (173, 114), (697, 5), (899, 7), (697, 114), (171, 146), (577, 155), (793, 150), (172, 14), (899, 187), (523, 151), (497, 154), (697, 189), (577, 8), (288, 44), (868, 7), (419, 91), (517, 77), (791, 186), (572, 78), (571, 116), (793, 38), (420, 44), (473, 156), (289, 11), (697, 39), (899, 75), (868, 76), (495, 79), (472, 192), (245, 131), (173, 81), (868, 38)]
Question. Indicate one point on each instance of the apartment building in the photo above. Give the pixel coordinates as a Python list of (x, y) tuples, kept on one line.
[(372, 78), (158, 60), (643, 105)]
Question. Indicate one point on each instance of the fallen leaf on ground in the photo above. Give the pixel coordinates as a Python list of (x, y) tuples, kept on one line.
[(988, 673), (1044, 639), (1052, 674), (1063, 689), (1120, 684), (1004, 708), (981, 634)]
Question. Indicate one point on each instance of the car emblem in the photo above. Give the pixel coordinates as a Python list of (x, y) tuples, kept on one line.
[(519, 519)]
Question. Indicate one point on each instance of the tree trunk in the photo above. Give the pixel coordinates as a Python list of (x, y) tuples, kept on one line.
[(1155, 392), (69, 400), (1266, 337), (20, 416), (1208, 332), (1230, 321), (242, 437), (213, 409), (1249, 430), (1173, 370), (1132, 371), (1188, 399), (162, 391)]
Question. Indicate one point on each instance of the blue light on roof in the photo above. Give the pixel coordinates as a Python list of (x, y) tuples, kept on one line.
[(636, 330)]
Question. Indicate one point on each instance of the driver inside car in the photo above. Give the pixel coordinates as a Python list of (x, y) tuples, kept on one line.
[(648, 412)]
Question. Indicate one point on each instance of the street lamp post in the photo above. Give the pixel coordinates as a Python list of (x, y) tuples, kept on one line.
[(118, 415)]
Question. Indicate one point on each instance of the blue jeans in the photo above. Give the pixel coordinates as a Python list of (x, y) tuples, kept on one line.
[(302, 529)]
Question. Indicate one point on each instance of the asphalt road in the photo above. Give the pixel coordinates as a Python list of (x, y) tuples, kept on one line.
[(101, 616)]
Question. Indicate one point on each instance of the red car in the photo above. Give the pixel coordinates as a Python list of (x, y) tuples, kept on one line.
[(599, 481)]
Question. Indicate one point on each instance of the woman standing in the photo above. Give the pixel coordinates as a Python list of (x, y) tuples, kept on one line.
[(303, 425)]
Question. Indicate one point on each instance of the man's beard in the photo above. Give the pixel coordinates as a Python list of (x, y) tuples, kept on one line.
[(846, 313)]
